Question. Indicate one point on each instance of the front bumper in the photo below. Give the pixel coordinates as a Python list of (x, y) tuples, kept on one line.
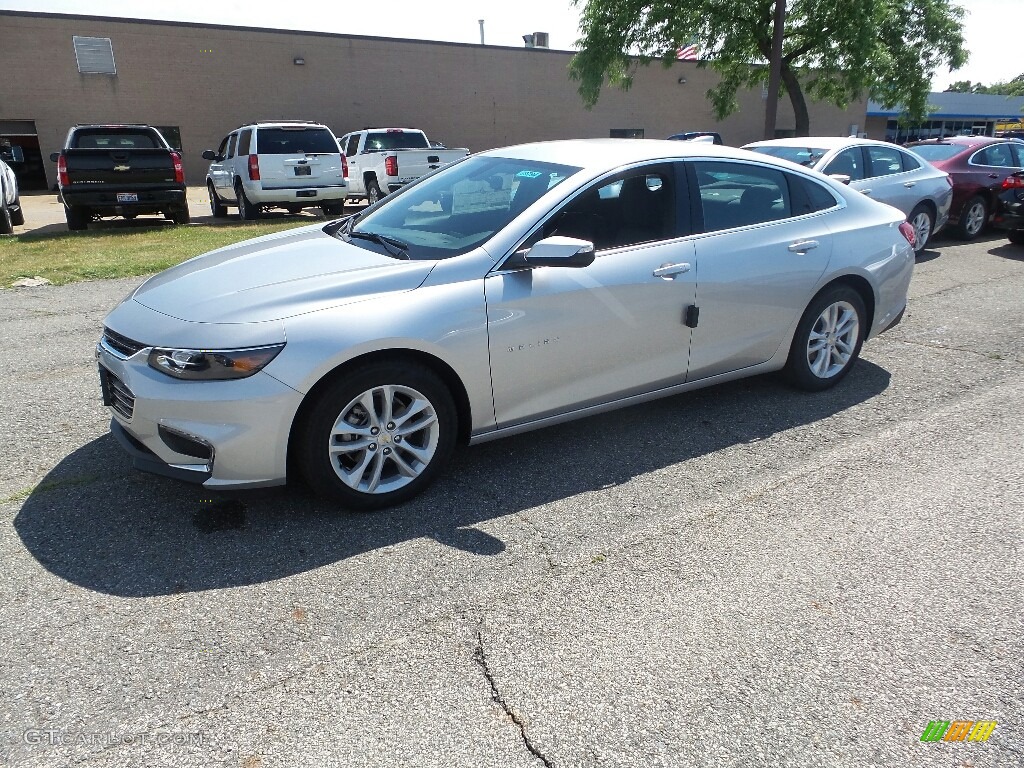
[(244, 423)]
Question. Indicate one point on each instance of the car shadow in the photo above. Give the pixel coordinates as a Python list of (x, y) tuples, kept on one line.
[(98, 523), (1008, 251)]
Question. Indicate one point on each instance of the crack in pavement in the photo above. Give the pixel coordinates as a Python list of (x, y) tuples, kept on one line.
[(497, 698), (1009, 358)]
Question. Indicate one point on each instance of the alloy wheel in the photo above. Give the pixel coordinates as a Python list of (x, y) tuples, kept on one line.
[(833, 339)]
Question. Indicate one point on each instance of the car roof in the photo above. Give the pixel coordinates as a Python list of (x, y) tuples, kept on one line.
[(612, 152), (964, 141), (822, 142)]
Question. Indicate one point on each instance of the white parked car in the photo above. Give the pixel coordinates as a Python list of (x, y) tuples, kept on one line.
[(512, 290), (11, 214), (878, 169), (288, 164)]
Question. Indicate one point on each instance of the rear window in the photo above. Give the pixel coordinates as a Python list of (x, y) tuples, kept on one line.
[(932, 152), (296, 141), (378, 140), (806, 156), (114, 139)]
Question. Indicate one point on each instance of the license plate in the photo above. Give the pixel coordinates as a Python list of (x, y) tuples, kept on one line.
[(303, 170), (127, 197)]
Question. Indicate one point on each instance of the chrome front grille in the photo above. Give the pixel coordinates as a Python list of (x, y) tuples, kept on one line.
[(122, 345), (116, 394)]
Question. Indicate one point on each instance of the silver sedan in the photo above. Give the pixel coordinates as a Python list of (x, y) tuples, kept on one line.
[(513, 290), (879, 169)]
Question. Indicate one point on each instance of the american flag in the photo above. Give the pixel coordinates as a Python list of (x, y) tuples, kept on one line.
[(687, 52)]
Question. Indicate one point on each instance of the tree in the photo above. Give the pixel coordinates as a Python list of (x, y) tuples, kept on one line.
[(834, 50)]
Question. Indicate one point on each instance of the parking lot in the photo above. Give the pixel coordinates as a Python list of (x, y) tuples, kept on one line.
[(741, 576)]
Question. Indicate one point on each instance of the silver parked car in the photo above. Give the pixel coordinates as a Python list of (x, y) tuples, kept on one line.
[(515, 289), (882, 170)]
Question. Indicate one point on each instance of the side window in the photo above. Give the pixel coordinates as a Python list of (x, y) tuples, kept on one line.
[(244, 140), (849, 162), (883, 161), (1018, 154), (995, 155), (638, 206), (353, 145), (222, 150), (739, 194), (910, 163), (231, 145), (809, 197)]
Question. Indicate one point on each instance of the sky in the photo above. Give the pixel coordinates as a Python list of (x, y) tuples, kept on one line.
[(991, 27)]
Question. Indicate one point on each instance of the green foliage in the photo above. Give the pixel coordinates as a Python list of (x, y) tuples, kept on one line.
[(833, 51), (1013, 88)]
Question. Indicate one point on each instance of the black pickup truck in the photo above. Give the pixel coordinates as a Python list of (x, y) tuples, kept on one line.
[(119, 170)]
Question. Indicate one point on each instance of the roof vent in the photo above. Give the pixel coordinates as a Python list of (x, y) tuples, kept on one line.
[(540, 40), (95, 55)]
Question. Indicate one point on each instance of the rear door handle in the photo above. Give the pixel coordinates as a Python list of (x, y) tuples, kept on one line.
[(669, 271), (803, 246), (866, 191), (909, 184)]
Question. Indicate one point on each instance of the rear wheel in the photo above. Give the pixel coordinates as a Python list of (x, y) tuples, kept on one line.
[(6, 226), (973, 219), (333, 209), (181, 215), (378, 436), (828, 339), (1016, 236), (17, 213), (77, 218), (921, 220), (373, 193), (217, 208), (246, 210)]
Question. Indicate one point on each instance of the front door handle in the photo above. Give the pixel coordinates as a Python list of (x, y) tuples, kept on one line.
[(909, 184), (993, 175), (866, 191), (669, 271), (803, 246)]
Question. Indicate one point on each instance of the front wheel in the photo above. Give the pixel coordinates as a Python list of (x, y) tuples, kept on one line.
[(379, 436), (6, 226), (1016, 236), (17, 213), (828, 339), (973, 219), (921, 220)]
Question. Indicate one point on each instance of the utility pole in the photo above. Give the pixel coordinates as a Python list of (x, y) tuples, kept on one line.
[(771, 108)]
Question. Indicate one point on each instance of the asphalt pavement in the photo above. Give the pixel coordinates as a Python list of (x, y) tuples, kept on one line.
[(742, 576)]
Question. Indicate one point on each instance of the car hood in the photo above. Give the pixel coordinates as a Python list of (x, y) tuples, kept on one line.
[(276, 276)]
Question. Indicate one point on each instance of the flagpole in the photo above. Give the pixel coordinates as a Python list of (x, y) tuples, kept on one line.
[(771, 108)]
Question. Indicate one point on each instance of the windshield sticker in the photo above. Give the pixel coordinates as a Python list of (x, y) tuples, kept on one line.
[(528, 174)]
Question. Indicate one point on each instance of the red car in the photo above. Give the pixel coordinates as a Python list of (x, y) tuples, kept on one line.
[(977, 165)]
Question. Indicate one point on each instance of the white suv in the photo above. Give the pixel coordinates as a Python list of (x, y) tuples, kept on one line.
[(287, 164)]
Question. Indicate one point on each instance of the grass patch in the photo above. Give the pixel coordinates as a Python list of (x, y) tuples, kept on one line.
[(49, 485), (67, 257)]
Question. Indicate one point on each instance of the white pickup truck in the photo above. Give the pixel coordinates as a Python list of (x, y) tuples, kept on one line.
[(382, 160)]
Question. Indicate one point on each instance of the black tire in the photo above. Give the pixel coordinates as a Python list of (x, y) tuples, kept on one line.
[(17, 213), (333, 209), (6, 225), (1016, 236), (922, 220), (973, 219), (341, 402), (181, 215), (373, 193), (217, 208), (246, 210), (824, 367), (293, 209), (77, 218)]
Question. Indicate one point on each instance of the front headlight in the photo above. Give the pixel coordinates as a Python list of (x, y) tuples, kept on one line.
[(212, 365)]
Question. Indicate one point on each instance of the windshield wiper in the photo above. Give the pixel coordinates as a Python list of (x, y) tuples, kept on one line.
[(396, 248)]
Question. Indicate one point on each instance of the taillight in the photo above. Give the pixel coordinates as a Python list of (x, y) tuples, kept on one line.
[(391, 165), (254, 167), (1013, 182), (908, 232), (344, 166), (179, 169), (62, 171)]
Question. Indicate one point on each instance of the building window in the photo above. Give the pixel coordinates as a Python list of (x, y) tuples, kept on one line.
[(626, 133), (95, 55)]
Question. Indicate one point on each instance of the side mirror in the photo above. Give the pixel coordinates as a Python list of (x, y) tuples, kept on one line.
[(209, 154), (554, 251), (54, 157), (842, 178)]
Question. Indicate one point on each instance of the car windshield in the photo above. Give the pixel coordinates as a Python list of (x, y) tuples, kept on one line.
[(936, 151), (807, 156), (378, 140), (296, 141), (456, 209)]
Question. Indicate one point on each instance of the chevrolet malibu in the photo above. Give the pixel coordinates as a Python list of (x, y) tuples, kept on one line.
[(516, 289)]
